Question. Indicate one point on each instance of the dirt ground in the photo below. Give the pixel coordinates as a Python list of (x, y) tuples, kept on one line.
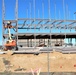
[(58, 62)]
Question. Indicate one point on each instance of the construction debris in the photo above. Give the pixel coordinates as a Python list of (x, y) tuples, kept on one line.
[(20, 69)]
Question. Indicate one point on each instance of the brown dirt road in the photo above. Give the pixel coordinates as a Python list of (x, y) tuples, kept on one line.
[(58, 62)]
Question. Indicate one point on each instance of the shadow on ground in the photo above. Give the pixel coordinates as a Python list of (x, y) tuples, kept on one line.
[(42, 73)]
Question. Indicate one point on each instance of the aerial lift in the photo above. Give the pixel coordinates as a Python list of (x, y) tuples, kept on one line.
[(11, 41)]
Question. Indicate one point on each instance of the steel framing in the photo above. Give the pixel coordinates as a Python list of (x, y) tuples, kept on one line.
[(36, 23)]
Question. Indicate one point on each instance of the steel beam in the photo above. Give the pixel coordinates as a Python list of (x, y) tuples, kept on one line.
[(54, 22), (12, 21), (40, 22), (24, 24), (59, 22), (28, 28), (71, 23)]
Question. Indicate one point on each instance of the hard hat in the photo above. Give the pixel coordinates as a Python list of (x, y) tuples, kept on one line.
[(8, 22)]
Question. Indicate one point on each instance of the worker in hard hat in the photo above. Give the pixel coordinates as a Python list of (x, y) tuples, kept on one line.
[(8, 25)]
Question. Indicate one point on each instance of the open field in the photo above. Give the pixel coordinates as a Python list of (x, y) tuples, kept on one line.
[(58, 62)]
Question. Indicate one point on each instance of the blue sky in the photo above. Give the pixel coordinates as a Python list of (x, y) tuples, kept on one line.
[(25, 4)]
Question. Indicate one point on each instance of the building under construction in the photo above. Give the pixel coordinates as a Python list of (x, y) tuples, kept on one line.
[(37, 38)]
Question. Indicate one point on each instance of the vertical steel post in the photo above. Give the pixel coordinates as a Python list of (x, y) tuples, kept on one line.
[(67, 15), (67, 12), (48, 65), (64, 18), (27, 12), (17, 21), (30, 24), (38, 13), (60, 31), (30, 11), (50, 28), (43, 15), (55, 10), (59, 14), (64, 10), (3, 17), (34, 27), (49, 16), (43, 11), (75, 41), (75, 29)]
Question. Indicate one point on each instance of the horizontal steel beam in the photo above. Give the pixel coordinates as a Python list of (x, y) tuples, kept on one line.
[(12, 21), (29, 34), (32, 19), (28, 28)]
